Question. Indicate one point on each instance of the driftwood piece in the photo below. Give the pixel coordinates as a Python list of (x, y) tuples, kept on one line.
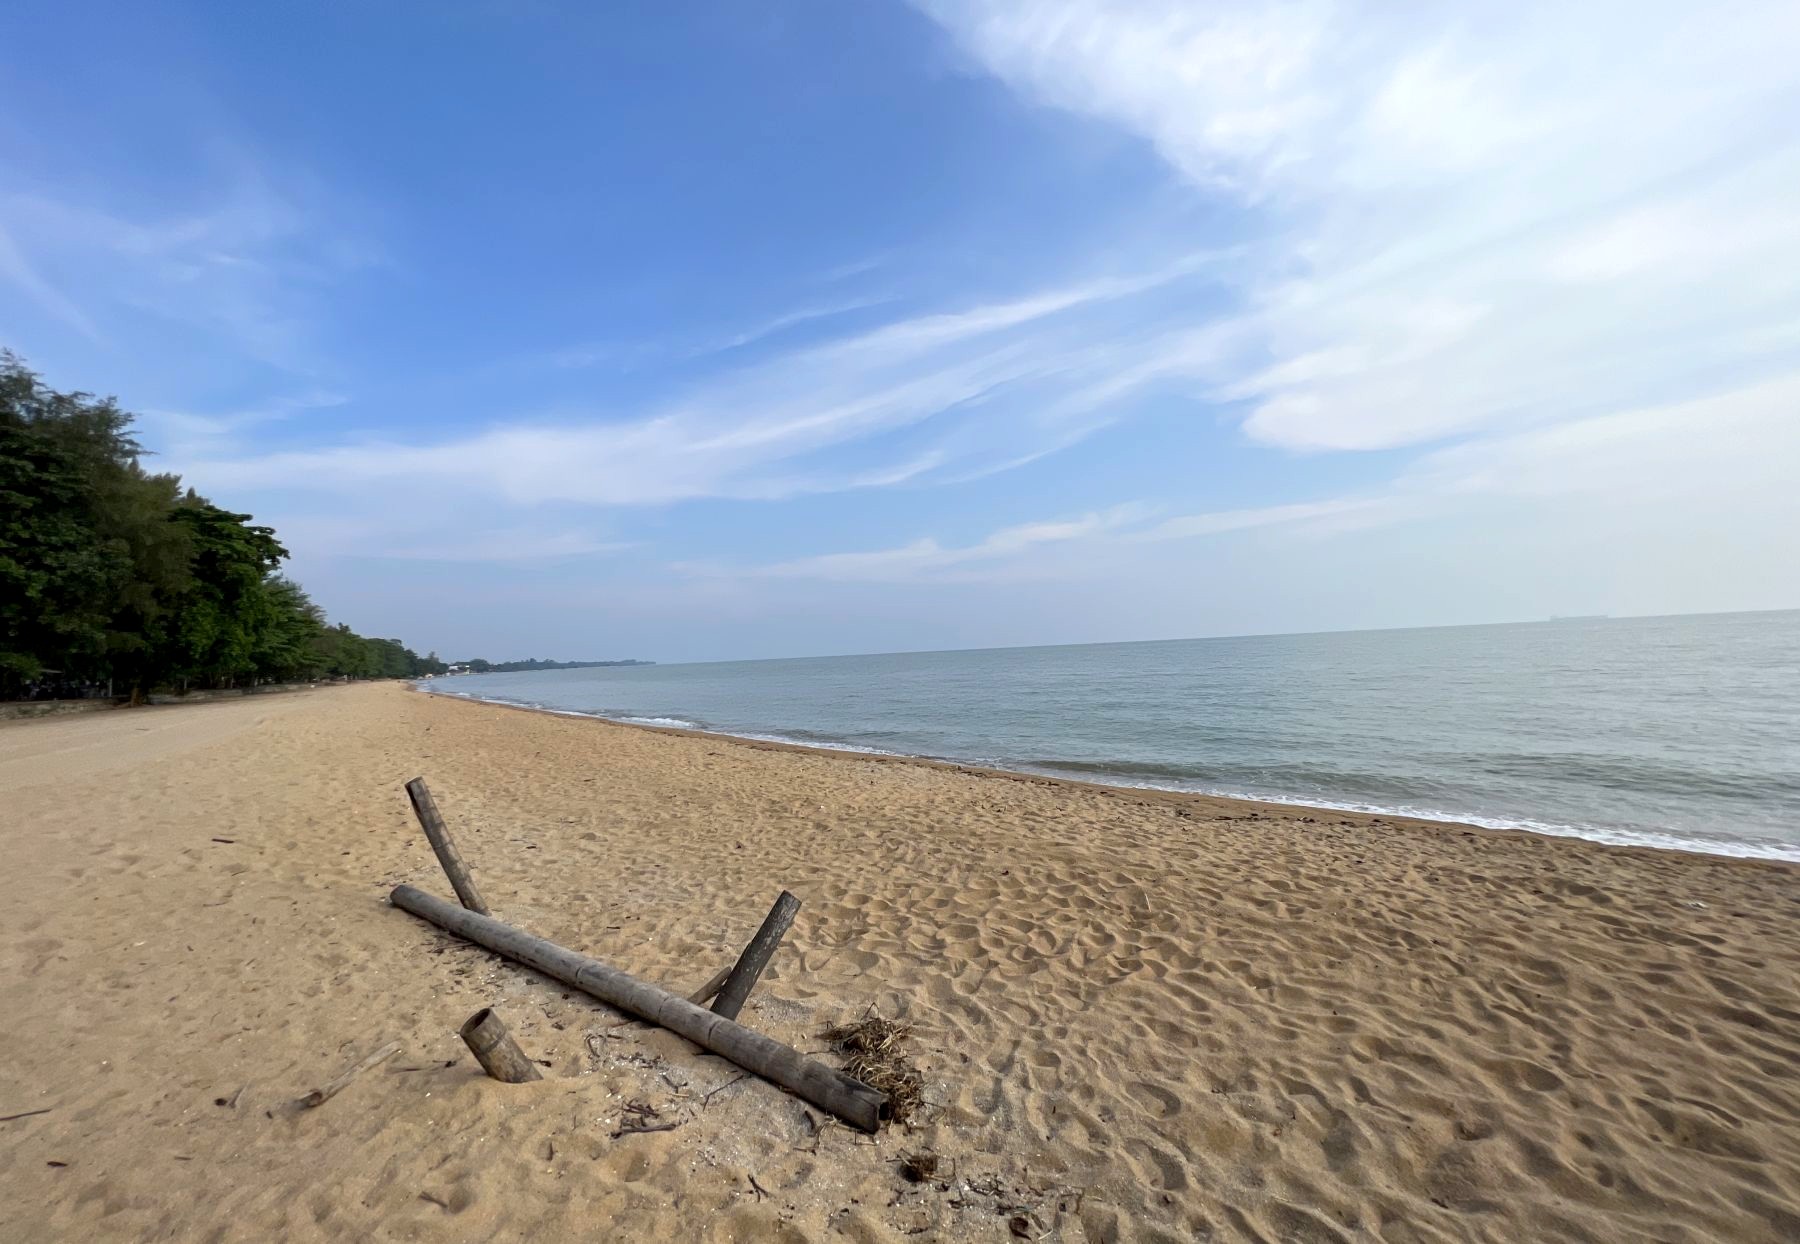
[(704, 994), (325, 1092), (825, 1087), (736, 990), (439, 834), (495, 1049)]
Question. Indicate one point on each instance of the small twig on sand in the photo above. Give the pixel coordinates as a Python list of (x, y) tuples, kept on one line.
[(757, 1188), (426, 1196), (25, 1114), (633, 1129), (709, 1096), (326, 1092)]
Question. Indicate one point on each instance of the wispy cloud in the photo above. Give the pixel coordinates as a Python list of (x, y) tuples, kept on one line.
[(625, 355), (926, 558), (1737, 447), (190, 434), (936, 394), (441, 536), (1047, 542), (17, 271), (243, 262), (792, 319), (1470, 218)]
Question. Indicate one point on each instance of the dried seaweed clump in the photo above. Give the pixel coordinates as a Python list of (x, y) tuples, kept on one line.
[(872, 1053)]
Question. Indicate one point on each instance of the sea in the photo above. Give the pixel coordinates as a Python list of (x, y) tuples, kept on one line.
[(1675, 732)]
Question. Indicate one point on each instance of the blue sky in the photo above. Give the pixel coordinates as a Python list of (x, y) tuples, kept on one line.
[(716, 330)]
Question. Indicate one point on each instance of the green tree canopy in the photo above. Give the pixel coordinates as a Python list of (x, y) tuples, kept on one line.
[(111, 575)]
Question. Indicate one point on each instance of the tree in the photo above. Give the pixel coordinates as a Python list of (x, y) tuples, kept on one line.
[(285, 647), (109, 572), (222, 618), (86, 553)]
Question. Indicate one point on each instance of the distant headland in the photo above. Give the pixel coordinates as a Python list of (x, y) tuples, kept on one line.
[(478, 666)]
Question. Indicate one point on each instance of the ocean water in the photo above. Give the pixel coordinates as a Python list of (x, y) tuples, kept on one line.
[(1676, 732)]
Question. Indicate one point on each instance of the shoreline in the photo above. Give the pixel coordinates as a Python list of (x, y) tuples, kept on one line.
[(1622, 840)]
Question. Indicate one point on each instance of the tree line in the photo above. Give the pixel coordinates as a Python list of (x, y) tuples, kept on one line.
[(119, 580)]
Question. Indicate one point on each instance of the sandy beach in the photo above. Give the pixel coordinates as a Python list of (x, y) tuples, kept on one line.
[(1138, 1016)]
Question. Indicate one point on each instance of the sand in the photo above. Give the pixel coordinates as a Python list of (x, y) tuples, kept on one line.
[(1139, 1017)]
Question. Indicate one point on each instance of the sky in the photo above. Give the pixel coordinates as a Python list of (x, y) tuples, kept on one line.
[(713, 330)]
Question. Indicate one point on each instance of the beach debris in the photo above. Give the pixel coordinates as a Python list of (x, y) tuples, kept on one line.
[(916, 1168), (644, 1118), (231, 1102), (425, 808), (861, 1105), (632, 1130), (494, 1048), (330, 1089), (711, 1093), (742, 978), (25, 1114), (873, 1055), (717, 1031)]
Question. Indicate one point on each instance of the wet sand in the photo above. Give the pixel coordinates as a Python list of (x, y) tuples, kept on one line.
[(1139, 1016)]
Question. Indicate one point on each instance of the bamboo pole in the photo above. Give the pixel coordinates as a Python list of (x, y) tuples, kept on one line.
[(495, 1049), (736, 990), (439, 834), (700, 996), (825, 1087)]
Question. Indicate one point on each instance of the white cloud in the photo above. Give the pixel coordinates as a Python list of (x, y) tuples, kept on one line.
[(1471, 217), (1740, 446)]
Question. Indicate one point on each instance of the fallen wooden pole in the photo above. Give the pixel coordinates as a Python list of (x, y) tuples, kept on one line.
[(426, 809), (736, 990), (495, 1049), (700, 996), (825, 1087), (325, 1092)]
